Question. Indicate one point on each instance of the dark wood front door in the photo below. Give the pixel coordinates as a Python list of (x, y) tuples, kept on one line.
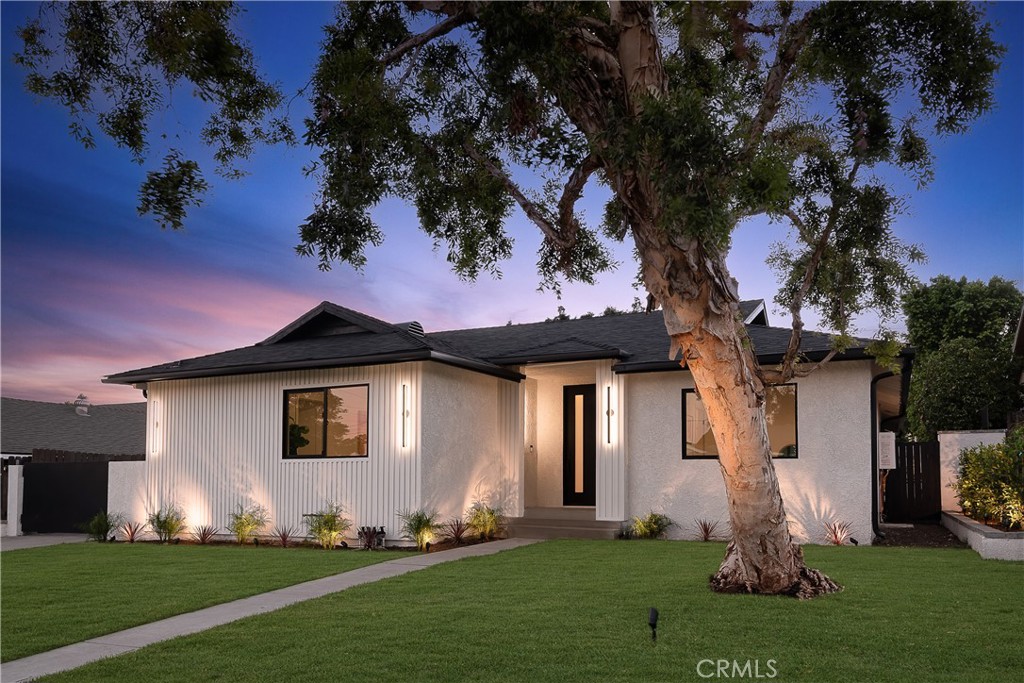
[(579, 443)]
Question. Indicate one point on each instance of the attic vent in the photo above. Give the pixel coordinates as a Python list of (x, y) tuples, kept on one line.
[(82, 405), (413, 328)]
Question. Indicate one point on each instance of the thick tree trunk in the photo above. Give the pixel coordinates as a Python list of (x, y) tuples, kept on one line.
[(701, 307), (701, 311)]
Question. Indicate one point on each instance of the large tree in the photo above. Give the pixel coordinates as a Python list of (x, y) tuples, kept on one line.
[(965, 374), (695, 116)]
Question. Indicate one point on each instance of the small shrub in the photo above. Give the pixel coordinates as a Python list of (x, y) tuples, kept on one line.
[(167, 522), (328, 525), (102, 525), (837, 533), (132, 531), (284, 535), (654, 525), (626, 531), (485, 520), (246, 521), (706, 529), (990, 481), (204, 534), (455, 530), (419, 525)]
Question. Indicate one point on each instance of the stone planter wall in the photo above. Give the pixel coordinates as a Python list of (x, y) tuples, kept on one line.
[(990, 543)]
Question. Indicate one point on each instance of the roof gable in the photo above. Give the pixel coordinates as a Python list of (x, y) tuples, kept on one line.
[(329, 320)]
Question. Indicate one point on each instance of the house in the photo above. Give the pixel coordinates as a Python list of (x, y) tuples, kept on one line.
[(113, 429), (585, 421), (61, 431)]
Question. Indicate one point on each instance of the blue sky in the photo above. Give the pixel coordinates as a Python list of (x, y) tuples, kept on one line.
[(89, 288)]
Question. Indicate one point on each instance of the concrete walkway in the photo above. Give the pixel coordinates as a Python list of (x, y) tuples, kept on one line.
[(79, 654), (39, 540)]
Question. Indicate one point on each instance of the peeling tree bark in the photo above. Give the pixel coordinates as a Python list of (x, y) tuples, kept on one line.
[(702, 316), (701, 309)]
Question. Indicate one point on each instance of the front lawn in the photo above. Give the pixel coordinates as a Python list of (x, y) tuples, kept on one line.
[(577, 611), (63, 594)]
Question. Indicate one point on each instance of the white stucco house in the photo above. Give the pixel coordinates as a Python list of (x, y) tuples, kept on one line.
[(571, 427)]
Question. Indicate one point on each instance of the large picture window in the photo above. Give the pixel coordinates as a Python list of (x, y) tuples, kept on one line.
[(780, 411), (326, 423)]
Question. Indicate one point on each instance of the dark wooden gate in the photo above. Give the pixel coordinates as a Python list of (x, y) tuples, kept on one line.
[(63, 496), (913, 491)]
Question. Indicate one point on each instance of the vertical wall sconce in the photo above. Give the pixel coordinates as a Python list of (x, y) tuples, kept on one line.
[(609, 413), (154, 437), (405, 415)]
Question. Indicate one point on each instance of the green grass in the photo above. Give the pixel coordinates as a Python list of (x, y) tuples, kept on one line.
[(67, 593), (577, 611)]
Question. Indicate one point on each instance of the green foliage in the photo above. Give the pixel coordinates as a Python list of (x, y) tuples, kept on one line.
[(653, 525), (965, 376), (990, 481), (419, 525), (167, 522), (485, 520), (168, 193), (946, 309), (963, 385), (102, 525), (247, 521), (327, 525), (777, 109), (118, 65)]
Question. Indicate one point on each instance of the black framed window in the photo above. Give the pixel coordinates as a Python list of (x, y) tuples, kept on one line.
[(780, 412), (326, 423)]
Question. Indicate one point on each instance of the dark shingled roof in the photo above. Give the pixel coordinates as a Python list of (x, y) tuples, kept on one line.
[(114, 429), (334, 336)]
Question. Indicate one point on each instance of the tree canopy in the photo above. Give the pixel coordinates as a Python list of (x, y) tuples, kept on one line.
[(760, 108), (965, 375)]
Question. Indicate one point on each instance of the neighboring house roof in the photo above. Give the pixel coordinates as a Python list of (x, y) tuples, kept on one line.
[(114, 429), (334, 336)]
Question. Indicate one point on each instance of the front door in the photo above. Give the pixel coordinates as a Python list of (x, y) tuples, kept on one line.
[(579, 443)]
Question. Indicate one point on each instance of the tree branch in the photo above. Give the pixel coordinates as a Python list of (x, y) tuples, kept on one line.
[(571, 192), (790, 45), (531, 209), (416, 41), (786, 367)]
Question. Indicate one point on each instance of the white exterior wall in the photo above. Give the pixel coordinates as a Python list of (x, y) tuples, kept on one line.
[(829, 481), (950, 445), (213, 443), (472, 443), (126, 489)]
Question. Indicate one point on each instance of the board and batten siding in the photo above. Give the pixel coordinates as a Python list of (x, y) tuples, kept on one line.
[(215, 443)]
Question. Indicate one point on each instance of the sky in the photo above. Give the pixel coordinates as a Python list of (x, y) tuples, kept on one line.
[(88, 288)]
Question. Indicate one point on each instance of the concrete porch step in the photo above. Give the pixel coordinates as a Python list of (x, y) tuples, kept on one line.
[(536, 527)]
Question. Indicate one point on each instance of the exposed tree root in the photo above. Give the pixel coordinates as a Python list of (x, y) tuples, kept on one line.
[(735, 576)]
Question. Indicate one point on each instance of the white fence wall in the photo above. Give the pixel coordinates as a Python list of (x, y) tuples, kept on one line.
[(216, 442), (950, 445)]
